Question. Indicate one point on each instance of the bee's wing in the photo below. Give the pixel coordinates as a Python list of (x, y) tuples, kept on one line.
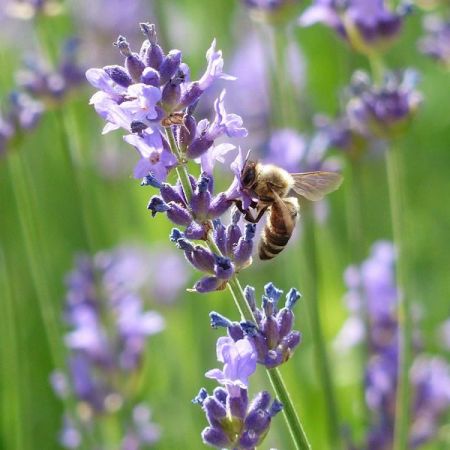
[(315, 185)]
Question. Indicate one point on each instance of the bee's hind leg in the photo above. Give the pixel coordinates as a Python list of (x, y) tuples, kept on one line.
[(248, 216)]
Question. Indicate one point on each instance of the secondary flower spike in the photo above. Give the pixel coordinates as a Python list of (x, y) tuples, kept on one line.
[(108, 331), (233, 422), (271, 336), (372, 296)]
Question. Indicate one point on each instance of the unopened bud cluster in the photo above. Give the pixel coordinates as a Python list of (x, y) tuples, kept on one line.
[(234, 422)]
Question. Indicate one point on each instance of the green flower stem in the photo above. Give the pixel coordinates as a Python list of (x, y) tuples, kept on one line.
[(394, 166), (292, 420), (13, 417), (311, 281), (397, 204), (357, 244)]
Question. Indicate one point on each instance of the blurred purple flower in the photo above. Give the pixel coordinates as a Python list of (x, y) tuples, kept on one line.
[(372, 291), (436, 42), (366, 24), (108, 332)]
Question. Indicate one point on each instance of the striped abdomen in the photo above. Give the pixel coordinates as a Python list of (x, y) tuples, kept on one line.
[(279, 227)]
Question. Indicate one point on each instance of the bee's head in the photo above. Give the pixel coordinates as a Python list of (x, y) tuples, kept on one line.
[(248, 174)]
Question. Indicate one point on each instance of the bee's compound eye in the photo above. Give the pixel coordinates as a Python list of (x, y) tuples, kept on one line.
[(248, 177)]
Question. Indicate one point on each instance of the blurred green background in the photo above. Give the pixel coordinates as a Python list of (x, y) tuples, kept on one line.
[(48, 213)]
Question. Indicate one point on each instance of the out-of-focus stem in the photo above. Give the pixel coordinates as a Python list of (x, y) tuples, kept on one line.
[(293, 422), (31, 238), (311, 282), (394, 170), (397, 204), (357, 244)]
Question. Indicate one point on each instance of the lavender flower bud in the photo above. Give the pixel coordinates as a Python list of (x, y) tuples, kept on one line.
[(243, 251), (157, 205), (233, 234), (196, 231), (221, 394), (169, 66), (150, 180), (285, 318), (217, 320), (269, 327), (249, 293), (249, 439), (171, 93), (202, 259), (215, 437), (187, 132), (258, 421), (154, 53), (207, 284), (238, 406), (200, 397), (191, 95), (150, 77), (170, 194), (291, 341), (219, 205), (175, 235), (215, 411), (185, 245), (273, 293), (201, 199), (133, 64), (219, 236), (291, 298), (178, 215), (223, 268), (198, 147), (119, 75), (276, 407)]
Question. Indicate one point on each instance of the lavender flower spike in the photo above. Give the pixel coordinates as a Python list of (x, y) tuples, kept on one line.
[(109, 330)]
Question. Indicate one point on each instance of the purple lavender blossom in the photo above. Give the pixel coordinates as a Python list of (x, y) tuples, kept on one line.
[(372, 292), (108, 330), (368, 25), (152, 91), (436, 42), (239, 359)]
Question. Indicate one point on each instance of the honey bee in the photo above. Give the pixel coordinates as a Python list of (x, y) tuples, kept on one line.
[(276, 191)]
